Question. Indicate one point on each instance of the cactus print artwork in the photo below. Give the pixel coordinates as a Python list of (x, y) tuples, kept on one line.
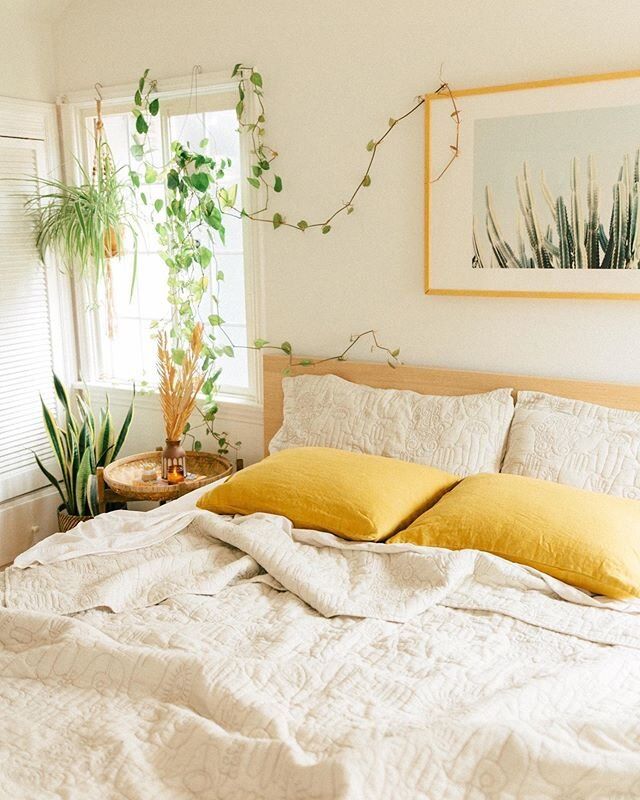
[(558, 190)]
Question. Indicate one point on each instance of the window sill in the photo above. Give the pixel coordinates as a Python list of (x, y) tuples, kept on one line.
[(233, 408)]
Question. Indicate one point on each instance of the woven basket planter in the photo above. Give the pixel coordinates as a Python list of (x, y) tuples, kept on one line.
[(68, 521)]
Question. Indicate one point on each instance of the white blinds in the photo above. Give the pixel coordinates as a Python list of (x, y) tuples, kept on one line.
[(25, 339)]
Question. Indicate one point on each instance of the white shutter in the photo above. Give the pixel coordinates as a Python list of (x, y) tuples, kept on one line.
[(25, 332)]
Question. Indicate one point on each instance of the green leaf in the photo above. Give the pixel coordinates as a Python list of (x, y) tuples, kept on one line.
[(277, 220), (370, 145), (150, 174), (366, 181), (349, 209), (173, 180), (257, 171), (326, 228), (137, 98), (52, 480), (256, 79), (135, 179), (254, 182), (395, 353), (154, 107), (204, 256), (303, 224), (239, 109), (158, 205), (236, 69), (277, 184), (141, 83), (63, 397), (141, 124), (53, 432), (200, 181), (286, 348), (215, 319), (124, 430), (137, 151), (82, 479), (197, 445), (143, 197), (232, 193), (203, 143), (92, 496), (228, 351), (392, 122), (260, 343), (178, 354)]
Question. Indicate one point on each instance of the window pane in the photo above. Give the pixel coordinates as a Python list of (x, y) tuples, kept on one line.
[(131, 353)]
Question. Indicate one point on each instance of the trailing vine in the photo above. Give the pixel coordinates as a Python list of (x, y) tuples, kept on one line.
[(190, 221), (250, 82)]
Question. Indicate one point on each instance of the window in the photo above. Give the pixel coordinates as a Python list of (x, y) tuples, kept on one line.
[(130, 353), (27, 303)]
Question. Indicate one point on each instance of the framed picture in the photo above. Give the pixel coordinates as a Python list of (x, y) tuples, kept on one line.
[(542, 200)]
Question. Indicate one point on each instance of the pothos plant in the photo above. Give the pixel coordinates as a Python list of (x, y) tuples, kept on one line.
[(190, 221)]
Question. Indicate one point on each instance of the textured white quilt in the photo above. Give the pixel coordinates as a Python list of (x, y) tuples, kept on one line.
[(248, 661)]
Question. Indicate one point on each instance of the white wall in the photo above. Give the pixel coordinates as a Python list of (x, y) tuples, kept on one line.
[(27, 71), (27, 64), (334, 72)]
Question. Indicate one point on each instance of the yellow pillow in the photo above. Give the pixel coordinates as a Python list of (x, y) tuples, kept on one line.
[(586, 539), (353, 495)]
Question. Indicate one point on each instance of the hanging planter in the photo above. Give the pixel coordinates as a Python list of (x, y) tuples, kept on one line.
[(85, 224)]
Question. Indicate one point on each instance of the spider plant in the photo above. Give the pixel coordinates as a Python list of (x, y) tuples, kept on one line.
[(82, 445), (85, 224)]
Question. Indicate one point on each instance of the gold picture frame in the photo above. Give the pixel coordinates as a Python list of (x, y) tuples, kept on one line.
[(587, 88)]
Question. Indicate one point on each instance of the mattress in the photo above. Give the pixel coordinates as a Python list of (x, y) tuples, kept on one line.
[(238, 658)]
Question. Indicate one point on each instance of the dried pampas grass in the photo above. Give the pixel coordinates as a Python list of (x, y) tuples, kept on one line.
[(179, 383)]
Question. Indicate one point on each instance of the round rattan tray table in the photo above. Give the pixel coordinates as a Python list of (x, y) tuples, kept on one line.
[(122, 479)]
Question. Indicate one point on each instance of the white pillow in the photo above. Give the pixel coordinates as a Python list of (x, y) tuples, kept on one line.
[(577, 443), (463, 435)]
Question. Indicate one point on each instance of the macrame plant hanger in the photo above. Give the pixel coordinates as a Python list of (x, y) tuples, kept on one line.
[(103, 167)]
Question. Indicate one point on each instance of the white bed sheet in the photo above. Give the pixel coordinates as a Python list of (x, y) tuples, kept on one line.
[(248, 660)]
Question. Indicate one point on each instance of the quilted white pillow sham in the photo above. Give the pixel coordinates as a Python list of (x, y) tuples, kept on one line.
[(576, 443), (463, 435)]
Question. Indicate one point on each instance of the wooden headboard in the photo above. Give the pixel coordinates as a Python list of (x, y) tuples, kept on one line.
[(428, 380)]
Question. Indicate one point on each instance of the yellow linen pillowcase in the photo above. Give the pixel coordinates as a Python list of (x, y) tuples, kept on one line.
[(356, 496), (586, 539)]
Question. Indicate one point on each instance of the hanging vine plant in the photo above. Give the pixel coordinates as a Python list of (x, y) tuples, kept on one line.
[(191, 221), (85, 224)]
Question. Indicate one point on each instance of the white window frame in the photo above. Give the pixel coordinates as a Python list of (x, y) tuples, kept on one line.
[(73, 110)]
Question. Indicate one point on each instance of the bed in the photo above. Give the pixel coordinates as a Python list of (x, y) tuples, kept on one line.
[(182, 654)]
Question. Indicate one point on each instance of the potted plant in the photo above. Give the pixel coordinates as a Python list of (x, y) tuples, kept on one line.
[(80, 446), (85, 224)]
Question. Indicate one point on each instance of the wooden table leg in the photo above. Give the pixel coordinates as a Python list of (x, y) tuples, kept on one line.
[(102, 503)]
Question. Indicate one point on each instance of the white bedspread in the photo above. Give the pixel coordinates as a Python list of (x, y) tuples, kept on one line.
[(248, 661)]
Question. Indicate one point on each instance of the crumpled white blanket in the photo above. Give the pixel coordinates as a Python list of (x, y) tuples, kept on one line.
[(248, 660)]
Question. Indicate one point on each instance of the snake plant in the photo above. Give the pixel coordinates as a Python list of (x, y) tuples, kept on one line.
[(80, 446), (574, 239)]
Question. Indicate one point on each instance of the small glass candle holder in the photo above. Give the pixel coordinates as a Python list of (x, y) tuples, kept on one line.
[(149, 474), (175, 475)]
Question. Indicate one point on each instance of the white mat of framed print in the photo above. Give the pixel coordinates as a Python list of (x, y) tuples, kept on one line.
[(543, 200)]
